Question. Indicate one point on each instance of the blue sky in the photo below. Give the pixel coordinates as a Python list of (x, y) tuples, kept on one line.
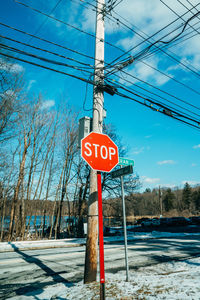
[(165, 151)]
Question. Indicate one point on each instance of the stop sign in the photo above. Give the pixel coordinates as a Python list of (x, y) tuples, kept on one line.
[(99, 151)]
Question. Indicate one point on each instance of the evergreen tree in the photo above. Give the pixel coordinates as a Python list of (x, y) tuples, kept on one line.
[(186, 196), (168, 200), (196, 200)]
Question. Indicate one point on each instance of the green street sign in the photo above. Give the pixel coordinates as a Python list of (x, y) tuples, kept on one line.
[(126, 161), (122, 171)]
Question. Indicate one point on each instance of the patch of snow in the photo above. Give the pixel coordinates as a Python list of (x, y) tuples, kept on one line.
[(172, 281), (25, 245)]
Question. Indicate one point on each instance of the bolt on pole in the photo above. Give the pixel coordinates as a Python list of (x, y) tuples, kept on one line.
[(91, 256)]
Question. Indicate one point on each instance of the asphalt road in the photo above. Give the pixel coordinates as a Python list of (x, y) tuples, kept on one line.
[(22, 272)]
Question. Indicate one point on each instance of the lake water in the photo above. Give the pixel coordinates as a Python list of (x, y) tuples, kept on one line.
[(39, 221)]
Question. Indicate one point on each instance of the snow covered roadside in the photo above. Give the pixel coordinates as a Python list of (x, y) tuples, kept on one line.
[(76, 242), (40, 244), (171, 281)]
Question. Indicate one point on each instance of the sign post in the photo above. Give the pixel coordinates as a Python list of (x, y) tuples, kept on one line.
[(101, 154), (120, 173), (101, 244), (125, 230)]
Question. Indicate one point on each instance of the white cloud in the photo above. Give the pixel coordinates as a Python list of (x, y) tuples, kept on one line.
[(10, 67), (16, 68), (88, 20), (166, 162), (150, 180), (196, 146), (193, 165), (168, 185), (190, 182), (138, 150), (147, 72), (150, 20), (48, 104), (31, 82), (148, 136)]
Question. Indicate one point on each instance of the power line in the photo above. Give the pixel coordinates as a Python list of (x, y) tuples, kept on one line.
[(184, 4), (172, 78), (65, 23), (190, 68), (120, 1), (47, 41), (47, 51), (158, 101), (13, 49), (48, 68), (82, 3), (42, 24), (164, 110), (190, 4), (93, 83), (112, 4), (161, 103), (158, 89), (55, 19), (50, 42), (147, 49), (179, 113), (154, 43), (170, 56), (158, 48), (178, 14), (88, 81), (163, 73), (88, 64)]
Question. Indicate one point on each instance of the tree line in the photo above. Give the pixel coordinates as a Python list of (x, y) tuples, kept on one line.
[(41, 171), (157, 202)]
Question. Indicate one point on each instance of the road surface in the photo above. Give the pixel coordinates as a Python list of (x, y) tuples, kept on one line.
[(22, 272)]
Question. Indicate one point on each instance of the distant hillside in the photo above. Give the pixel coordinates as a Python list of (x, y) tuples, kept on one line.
[(156, 202)]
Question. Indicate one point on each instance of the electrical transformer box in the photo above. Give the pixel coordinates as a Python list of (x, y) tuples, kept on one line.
[(85, 127)]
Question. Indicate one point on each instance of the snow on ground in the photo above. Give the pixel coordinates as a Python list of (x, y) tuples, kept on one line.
[(42, 244), (171, 281)]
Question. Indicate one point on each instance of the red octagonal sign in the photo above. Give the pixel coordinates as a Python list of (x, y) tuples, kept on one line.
[(99, 151)]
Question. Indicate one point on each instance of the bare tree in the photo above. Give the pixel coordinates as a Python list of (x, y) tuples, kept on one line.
[(11, 84), (68, 145), (38, 180), (26, 123)]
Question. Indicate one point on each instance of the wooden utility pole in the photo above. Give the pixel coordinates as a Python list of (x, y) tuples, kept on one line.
[(91, 256)]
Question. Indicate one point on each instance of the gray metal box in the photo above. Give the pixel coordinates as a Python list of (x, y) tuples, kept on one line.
[(84, 128)]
